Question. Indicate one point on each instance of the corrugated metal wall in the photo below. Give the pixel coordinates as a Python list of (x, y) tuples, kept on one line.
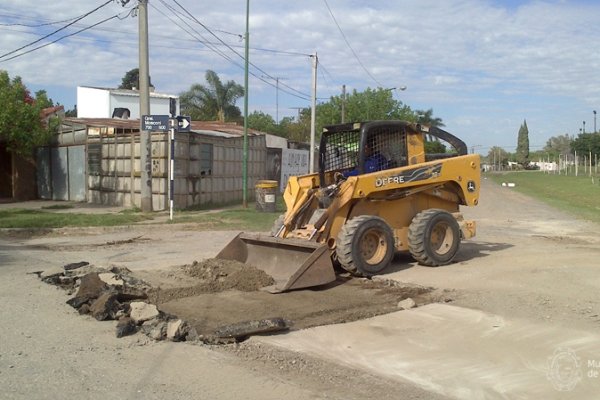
[(208, 170), (61, 173)]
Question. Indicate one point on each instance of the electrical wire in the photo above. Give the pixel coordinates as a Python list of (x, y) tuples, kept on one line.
[(39, 25), (56, 31), (60, 38), (349, 46), (304, 96), (297, 93)]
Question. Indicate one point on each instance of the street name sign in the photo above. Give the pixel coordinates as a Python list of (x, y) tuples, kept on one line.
[(155, 123)]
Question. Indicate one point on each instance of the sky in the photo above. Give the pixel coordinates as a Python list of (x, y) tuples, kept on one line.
[(483, 66)]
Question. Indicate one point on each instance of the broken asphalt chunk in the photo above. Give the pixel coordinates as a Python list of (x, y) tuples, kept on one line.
[(125, 327), (248, 328), (76, 265)]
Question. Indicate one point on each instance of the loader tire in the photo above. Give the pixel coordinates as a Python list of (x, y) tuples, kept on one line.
[(433, 237), (365, 245), (277, 225)]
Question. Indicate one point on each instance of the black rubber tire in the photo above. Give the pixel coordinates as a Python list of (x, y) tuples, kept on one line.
[(277, 224), (365, 245), (433, 237)]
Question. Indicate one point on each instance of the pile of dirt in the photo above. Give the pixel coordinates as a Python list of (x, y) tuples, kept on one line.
[(217, 301), (222, 275), (212, 276)]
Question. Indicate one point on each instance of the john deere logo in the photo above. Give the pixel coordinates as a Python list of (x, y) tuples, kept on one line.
[(471, 186)]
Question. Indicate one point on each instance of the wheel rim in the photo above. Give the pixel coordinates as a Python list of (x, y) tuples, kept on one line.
[(441, 238), (373, 247)]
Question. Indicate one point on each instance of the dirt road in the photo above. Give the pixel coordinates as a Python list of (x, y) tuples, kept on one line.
[(524, 296)]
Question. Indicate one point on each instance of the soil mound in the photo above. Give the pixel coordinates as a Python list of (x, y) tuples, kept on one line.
[(214, 275)]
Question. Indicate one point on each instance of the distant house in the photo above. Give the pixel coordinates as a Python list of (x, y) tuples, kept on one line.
[(95, 102)]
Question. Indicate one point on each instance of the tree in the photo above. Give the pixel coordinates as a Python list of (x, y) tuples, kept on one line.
[(425, 117), (369, 105), (42, 99), (434, 147), (214, 101), (262, 122), (21, 127), (72, 112), (522, 154), (586, 143), (497, 156), (132, 79), (558, 145)]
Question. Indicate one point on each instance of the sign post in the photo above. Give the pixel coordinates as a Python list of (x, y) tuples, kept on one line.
[(173, 124), (164, 123)]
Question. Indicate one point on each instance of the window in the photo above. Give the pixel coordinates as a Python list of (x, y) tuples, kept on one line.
[(206, 158), (94, 158)]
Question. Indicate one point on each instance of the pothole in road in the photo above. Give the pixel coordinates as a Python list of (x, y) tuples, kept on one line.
[(215, 296)]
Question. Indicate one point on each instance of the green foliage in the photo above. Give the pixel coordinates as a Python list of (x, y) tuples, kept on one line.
[(558, 145), (426, 117), (21, 127), (26, 218), (71, 113), (434, 147), (132, 79), (522, 153), (586, 142), (262, 122), (576, 195), (497, 156), (369, 105), (42, 100), (245, 219), (214, 101)]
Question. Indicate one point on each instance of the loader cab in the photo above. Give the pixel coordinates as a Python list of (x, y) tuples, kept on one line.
[(360, 148)]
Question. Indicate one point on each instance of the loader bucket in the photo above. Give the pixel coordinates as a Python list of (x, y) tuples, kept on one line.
[(293, 263)]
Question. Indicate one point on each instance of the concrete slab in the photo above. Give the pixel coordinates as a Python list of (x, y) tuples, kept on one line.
[(461, 353)]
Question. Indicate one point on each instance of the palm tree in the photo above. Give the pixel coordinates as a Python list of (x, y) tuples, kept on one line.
[(426, 118), (214, 101)]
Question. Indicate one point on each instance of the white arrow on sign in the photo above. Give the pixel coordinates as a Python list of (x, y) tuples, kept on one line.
[(184, 123)]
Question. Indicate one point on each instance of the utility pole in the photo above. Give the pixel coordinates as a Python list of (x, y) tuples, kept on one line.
[(245, 150), (144, 82), (277, 100), (277, 78), (343, 103), (313, 114)]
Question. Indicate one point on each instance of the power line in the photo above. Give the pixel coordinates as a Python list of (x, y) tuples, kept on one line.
[(60, 38), (299, 94), (195, 32), (39, 25), (154, 34), (56, 31), (305, 96), (349, 46)]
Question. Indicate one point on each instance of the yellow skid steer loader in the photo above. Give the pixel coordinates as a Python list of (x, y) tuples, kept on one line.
[(377, 192)]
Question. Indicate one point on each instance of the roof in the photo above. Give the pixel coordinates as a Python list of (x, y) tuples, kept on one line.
[(224, 127), (132, 93), (212, 128), (46, 112)]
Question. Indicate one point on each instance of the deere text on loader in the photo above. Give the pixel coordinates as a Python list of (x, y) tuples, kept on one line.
[(377, 192)]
